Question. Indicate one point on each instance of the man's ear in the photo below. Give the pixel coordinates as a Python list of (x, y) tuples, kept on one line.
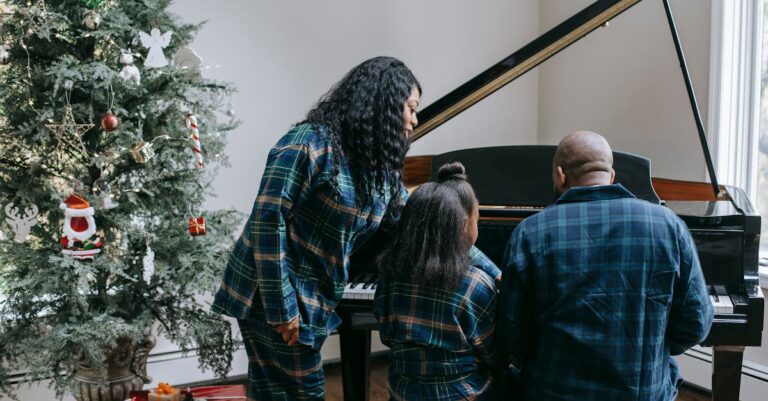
[(613, 175), (560, 177)]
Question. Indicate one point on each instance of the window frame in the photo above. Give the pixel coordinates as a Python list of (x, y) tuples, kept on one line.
[(734, 97)]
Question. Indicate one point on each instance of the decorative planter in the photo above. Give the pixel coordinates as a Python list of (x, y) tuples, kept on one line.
[(126, 371)]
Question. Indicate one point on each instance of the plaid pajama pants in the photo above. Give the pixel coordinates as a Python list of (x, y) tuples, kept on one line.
[(277, 371)]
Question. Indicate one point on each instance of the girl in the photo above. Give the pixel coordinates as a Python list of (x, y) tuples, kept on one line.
[(435, 310), (327, 186)]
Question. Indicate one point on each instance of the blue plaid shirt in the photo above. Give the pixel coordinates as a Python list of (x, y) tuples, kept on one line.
[(441, 340), (292, 258), (598, 290)]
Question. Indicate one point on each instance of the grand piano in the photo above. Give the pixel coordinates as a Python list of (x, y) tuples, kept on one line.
[(514, 182)]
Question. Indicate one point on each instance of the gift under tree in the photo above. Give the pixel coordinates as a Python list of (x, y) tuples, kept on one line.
[(108, 146)]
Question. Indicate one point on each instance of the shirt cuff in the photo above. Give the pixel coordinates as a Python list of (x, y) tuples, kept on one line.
[(478, 259), (282, 310)]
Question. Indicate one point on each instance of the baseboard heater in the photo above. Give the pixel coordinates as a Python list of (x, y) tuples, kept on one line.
[(751, 369)]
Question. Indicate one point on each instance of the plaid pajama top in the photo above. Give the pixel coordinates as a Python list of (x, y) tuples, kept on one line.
[(598, 291), (292, 257), (441, 340)]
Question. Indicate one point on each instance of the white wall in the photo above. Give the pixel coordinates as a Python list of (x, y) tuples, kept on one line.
[(283, 55), (624, 81)]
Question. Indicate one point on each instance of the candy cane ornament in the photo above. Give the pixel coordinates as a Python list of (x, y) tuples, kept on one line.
[(191, 123)]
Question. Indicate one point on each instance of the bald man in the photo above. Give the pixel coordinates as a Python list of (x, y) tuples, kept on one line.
[(600, 289)]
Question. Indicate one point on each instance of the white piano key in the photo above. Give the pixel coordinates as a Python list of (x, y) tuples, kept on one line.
[(717, 303), (727, 305), (355, 288)]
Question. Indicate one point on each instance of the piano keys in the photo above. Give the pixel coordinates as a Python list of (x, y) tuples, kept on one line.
[(362, 286)]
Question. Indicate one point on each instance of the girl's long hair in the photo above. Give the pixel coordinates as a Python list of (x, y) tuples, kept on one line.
[(431, 243), (363, 116)]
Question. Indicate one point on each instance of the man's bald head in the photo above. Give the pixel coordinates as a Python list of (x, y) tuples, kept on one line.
[(582, 158)]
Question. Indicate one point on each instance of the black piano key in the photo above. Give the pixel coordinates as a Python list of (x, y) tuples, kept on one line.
[(720, 290), (355, 280), (739, 299)]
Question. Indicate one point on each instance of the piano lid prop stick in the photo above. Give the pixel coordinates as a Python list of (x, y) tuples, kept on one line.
[(190, 122)]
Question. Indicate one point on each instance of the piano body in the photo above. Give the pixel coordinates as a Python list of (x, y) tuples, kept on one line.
[(721, 219)]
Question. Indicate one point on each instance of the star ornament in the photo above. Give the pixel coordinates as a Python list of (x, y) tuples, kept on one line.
[(68, 133)]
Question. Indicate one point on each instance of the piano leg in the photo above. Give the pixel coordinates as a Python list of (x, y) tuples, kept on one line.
[(726, 372), (355, 363)]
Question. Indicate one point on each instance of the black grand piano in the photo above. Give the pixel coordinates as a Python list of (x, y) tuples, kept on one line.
[(513, 182)]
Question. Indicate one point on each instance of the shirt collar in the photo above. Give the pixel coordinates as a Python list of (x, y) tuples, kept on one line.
[(598, 192)]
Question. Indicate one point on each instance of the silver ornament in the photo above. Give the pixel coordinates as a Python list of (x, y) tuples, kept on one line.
[(5, 58), (189, 62), (149, 265), (92, 20), (230, 108), (102, 189), (21, 224), (142, 152)]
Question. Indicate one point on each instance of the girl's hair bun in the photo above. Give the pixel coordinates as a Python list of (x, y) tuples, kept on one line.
[(451, 171)]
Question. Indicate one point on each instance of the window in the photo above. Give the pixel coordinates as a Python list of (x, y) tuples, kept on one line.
[(761, 199)]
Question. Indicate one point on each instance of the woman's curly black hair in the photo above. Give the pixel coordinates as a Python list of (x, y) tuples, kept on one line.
[(363, 116)]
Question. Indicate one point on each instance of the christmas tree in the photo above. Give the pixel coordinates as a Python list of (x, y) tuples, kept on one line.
[(109, 140)]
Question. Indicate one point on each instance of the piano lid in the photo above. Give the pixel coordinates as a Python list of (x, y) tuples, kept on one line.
[(542, 48)]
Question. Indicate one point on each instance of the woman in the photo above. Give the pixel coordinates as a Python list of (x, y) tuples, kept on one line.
[(328, 184), (435, 309)]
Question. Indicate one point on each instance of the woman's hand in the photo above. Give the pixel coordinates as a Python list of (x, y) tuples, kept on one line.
[(289, 330)]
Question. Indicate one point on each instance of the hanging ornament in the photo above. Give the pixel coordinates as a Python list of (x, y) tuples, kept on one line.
[(68, 133), (129, 72), (142, 152), (80, 240), (103, 192), (230, 108), (109, 122), (149, 265), (197, 226), (5, 57), (37, 15), (92, 20), (21, 224), (155, 42), (91, 3), (189, 62), (191, 123)]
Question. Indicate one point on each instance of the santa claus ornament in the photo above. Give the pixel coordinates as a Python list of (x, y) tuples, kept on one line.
[(80, 240)]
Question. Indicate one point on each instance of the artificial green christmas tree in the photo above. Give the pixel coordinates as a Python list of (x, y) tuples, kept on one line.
[(107, 151)]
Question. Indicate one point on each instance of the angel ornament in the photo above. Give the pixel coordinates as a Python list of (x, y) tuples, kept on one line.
[(155, 42)]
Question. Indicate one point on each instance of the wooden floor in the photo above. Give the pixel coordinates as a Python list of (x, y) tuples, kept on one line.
[(379, 367)]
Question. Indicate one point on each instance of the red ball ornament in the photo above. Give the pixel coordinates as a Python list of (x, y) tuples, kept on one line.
[(109, 122)]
